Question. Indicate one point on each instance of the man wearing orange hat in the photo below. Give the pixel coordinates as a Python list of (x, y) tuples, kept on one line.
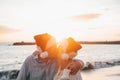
[(43, 63)]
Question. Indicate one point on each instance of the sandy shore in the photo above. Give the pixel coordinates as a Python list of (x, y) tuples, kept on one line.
[(110, 73)]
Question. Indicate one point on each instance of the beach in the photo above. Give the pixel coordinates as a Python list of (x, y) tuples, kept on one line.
[(110, 73), (104, 58)]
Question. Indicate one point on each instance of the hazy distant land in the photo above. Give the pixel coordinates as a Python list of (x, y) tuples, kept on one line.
[(99, 42), (24, 43), (81, 42)]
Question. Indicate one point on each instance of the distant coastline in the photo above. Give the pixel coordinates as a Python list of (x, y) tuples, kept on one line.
[(24, 43), (99, 42), (81, 42)]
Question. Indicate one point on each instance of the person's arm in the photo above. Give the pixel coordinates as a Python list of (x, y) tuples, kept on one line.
[(80, 63), (23, 73), (75, 66)]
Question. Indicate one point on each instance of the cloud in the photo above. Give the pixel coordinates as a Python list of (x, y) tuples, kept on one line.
[(85, 17), (92, 28), (7, 30), (116, 34)]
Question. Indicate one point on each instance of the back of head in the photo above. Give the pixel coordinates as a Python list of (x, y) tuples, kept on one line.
[(72, 45), (47, 43), (69, 45), (67, 50), (42, 40)]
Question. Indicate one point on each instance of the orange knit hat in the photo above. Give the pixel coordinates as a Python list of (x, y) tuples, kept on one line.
[(72, 45), (42, 40)]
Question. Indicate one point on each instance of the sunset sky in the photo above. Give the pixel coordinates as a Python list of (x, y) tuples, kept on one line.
[(84, 20)]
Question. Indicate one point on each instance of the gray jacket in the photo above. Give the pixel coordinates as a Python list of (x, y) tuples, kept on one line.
[(33, 69)]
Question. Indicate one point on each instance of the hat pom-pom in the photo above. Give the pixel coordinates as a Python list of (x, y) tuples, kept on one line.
[(44, 54), (65, 56)]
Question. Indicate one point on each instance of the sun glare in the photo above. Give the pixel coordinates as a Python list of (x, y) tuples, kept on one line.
[(79, 19)]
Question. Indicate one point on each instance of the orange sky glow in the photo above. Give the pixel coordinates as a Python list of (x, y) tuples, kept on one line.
[(84, 20)]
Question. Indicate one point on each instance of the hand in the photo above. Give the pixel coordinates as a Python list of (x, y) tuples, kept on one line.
[(74, 66)]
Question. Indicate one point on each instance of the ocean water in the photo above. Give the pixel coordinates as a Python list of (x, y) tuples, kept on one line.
[(12, 57)]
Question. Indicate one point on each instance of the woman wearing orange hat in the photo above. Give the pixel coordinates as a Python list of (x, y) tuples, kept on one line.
[(67, 51)]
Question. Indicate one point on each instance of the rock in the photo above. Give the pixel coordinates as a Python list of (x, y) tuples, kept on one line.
[(9, 75)]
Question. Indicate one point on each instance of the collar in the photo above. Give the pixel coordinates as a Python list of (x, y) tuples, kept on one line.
[(35, 56)]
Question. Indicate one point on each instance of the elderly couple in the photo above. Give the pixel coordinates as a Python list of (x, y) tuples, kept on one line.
[(52, 61)]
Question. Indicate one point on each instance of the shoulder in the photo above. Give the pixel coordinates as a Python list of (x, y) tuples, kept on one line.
[(29, 59)]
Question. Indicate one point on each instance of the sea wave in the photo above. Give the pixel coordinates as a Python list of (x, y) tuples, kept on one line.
[(9, 75), (101, 64)]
